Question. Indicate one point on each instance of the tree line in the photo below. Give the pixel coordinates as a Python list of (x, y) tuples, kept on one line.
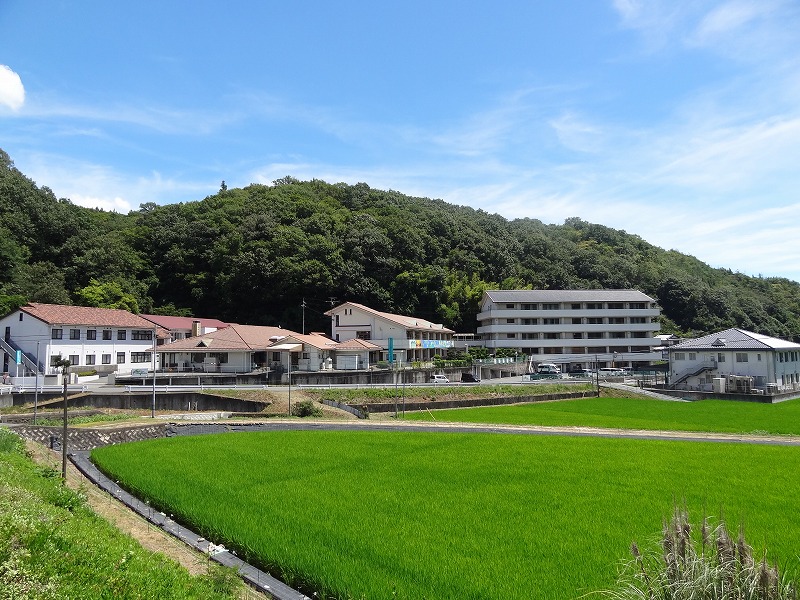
[(256, 254)]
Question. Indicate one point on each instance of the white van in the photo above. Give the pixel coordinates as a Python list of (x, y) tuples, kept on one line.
[(548, 369), (439, 379)]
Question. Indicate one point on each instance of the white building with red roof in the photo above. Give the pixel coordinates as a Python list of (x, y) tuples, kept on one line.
[(179, 328), (107, 340), (409, 338)]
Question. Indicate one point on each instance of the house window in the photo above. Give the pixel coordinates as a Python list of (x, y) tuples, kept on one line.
[(576, 306), (122, 334), (637, 305), (576, 320), (615, 305), (509, 306), (364, 335), (720, 357), (758, 357), (107, 335), (692, 356), (136, 357), (74, 359), (741, 357), (276, 357), (305, 356), (91, 334), (106, 358), (90, 359), (530, 307), (141, 334), (20, 316), (74, 334), (511, 336), (54, 359), (577, 336), (56, 334), (679, 356), (511, 321), (120, 358)]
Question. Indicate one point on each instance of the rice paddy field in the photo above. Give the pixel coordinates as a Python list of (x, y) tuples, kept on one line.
[(636, 413), (412, 515)]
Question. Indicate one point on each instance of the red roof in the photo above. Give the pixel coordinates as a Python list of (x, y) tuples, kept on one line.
[(172, 323), (232, 338), (59, 314), (357, 344), (405, 321)]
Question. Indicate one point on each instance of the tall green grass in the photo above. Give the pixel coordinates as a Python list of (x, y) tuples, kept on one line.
[(434, 515), (636, 413), (53, 547)]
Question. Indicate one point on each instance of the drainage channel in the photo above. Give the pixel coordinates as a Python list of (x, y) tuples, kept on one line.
[(261, 581)]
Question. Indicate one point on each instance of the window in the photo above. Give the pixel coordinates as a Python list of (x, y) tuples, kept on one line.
[(594, 335), (305, 356), (692, 356), (615, 305), (530, 336), (616, 320), (637, 305), (107, 336), (551, 306), (638, 319), (120, 358), (638, 334), (54, 359), (720, 357), (122, 334), (530, 307), (106, 359), (679, 356), (141, 334), (74, 334), (552, 336), (617, 335), (530, 321), (20, 316), (74, 359), (550, 321), (509, 306), (91, 334), (276, 357), (577, 336), (511, 321), (594, 320), (576, 320), (364, 335), (594, 305), (741, 357), (576, 306), (56, 334), (136, 357), (90, 359), (511, 336)]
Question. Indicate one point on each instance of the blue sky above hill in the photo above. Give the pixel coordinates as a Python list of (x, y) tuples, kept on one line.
[(675, 120)]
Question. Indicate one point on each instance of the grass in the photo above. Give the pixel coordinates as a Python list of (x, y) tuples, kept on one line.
[(53, 547), (390, 393), (629, 413), (434, 515)]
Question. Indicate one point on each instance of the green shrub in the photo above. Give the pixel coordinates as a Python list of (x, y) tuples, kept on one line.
[(382, 364), (712, 566), (87, 373), (306, 408)]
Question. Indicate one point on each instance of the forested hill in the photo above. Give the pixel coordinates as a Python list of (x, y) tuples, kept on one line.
[(253, 255)]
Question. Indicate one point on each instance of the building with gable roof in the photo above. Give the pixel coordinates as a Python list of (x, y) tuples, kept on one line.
[(574, 328), (179, 328), (738, 360), (409, 338), (107, 340), (318, 352), (232, 349)]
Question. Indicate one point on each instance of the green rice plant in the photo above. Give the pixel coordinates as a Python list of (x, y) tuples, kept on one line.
[(637, 413), (374, 514), (713, 566)]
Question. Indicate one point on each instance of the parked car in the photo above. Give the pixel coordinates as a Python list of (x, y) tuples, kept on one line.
[(439, 379), (469, 378), (548, 369), (610, 372), (582, 373)]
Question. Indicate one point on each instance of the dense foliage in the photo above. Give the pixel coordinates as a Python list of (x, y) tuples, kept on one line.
[(253, 255)]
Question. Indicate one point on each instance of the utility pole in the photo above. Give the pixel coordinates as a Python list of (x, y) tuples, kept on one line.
[(303, 306), (64, 364)]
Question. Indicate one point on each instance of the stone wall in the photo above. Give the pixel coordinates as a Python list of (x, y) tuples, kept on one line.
[(86, 439)]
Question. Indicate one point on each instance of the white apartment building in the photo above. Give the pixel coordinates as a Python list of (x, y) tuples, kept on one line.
[(107, 340), (573, 328)]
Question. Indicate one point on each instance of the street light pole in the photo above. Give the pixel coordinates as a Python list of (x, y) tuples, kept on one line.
[(36, 387), (64, 364)]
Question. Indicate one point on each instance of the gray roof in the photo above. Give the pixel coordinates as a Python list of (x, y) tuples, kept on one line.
[(735, 339), (568, 296)]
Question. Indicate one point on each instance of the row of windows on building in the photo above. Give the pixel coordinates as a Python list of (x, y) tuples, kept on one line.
[(106, 334), (740, 357), (579, 321), (105, 359), (591, 335), (577, 306), (589, 350)]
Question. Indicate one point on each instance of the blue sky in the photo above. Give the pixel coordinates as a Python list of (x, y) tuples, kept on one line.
[(675, 120)]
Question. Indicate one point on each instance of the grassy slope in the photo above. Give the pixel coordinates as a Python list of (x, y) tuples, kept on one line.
[(52, 546), (629, 413), (456, 515)]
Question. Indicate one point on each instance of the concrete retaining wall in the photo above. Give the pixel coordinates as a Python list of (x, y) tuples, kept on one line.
[(383, 407), (86, 439)]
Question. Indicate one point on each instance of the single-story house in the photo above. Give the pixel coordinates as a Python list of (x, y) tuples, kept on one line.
[(735, 360), (318, 352)]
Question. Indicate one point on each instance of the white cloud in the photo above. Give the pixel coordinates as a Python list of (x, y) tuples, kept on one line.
[(116, 204), (12, 92)]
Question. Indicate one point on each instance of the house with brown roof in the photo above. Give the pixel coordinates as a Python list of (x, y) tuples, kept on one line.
[(401, 338), (107, 340), (318, 352), (232, 349), (179, 328)]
